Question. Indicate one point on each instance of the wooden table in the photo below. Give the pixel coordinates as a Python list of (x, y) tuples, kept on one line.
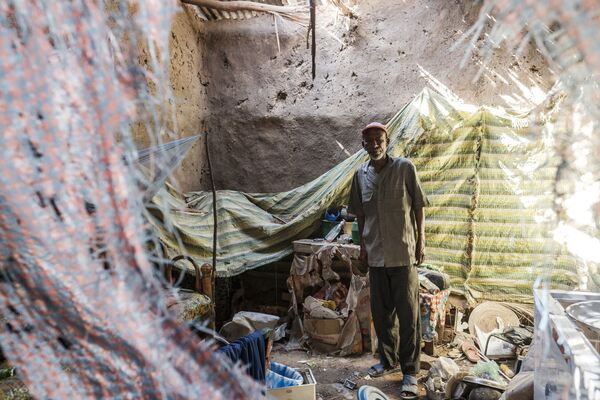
[(309, 246)]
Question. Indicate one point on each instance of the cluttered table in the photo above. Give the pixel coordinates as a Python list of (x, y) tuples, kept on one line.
[(313, 246)]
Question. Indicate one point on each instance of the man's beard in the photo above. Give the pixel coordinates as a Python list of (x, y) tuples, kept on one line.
[(377, 155)]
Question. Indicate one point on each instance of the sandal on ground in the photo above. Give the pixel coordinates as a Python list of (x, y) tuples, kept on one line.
[(410, 389), (378, 370), (470, 351)]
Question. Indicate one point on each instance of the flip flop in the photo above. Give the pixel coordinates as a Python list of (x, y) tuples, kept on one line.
[(470, 351), (410, 389), (378, 370)]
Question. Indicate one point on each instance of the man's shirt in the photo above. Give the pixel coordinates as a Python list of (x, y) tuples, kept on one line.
[(387, 201)]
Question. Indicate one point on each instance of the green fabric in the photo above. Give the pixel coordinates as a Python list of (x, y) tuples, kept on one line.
[(489, 182)]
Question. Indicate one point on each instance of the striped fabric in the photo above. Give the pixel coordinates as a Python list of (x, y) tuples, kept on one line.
[(489, 226)]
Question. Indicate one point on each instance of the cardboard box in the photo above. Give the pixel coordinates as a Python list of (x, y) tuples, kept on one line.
[(324, 330), (307, 391)]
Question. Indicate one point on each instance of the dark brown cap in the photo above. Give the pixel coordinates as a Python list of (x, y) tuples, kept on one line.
[(374, 125)]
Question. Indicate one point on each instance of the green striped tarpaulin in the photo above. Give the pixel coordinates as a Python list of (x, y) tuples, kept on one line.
[(489, 225)]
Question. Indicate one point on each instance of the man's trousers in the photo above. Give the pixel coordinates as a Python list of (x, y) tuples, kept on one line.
[(396, 317)]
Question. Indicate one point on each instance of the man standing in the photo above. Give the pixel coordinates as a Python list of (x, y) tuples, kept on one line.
[(387, 198)]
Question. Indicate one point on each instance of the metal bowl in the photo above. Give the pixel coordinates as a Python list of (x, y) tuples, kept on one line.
[(586, 312)]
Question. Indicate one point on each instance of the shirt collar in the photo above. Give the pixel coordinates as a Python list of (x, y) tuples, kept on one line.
[(388, 162)]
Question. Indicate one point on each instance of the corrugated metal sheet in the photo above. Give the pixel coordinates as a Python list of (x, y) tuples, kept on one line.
[(210, 14)]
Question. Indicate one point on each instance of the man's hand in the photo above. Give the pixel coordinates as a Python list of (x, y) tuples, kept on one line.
[(364, 257), (420, 251)]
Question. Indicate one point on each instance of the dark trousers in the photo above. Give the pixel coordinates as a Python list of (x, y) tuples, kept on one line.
[(395, 313)]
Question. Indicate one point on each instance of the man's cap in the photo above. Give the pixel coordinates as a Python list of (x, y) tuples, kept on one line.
[(374, 125)]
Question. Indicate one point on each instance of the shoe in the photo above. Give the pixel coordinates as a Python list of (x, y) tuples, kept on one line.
[(379, 369), (410, 389)]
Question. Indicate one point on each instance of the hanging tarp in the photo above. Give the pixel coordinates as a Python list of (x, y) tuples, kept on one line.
[(489, 181)]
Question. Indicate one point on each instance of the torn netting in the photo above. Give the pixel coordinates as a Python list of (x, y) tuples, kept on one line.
[(83, 312)]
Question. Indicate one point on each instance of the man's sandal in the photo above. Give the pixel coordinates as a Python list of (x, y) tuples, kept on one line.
[(378, 370), (410, 389)]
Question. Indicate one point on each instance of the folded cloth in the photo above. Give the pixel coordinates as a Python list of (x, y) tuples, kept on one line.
[(280, 375), (250, 351)]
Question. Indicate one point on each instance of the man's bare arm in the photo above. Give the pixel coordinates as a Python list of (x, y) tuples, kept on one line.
[(364, 258), (420, 247)]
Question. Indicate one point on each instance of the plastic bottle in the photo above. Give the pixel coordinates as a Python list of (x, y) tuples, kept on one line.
[(334, 232)]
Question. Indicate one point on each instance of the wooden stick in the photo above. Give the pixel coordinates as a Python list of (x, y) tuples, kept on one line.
[(214, 204), (343, 8), (313, 24)]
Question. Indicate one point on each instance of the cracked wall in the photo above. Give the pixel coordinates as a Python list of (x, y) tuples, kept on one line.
[(273, 128)]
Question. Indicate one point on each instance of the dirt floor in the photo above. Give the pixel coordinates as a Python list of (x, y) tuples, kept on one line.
[(330, 372)]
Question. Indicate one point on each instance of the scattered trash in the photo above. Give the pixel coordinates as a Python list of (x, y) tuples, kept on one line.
[(429, 348), (485, 382), (244, 322), (456, 388), (509, 372), (292, 345), (309, 363), (279, 332), (459, 325), (435, 388), (487, 370), (519, 336), (349, 384), (443, 367), (455, 353), (318, 309), (425, 365), (484, 393), (521, 387), (459, 338), (343, 391), (7, 372), (439, 374)]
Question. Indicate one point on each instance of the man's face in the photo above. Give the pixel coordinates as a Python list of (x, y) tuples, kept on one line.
[(375, 142)]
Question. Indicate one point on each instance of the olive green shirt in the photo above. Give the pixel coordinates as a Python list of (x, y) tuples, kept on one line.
[(387, 200)]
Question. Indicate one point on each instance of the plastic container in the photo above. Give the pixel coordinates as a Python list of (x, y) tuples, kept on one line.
[(355, 234), (280, 375), (306, 391), (335, 232), (326, 226)]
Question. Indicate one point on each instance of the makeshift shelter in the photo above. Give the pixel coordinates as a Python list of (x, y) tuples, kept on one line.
[(490, 183)]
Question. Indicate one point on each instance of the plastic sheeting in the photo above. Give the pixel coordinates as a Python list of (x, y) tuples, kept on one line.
[(83, 314), (489, 225)]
